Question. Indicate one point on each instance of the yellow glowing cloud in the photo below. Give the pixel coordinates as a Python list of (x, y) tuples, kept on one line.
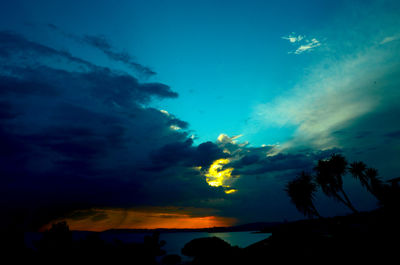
[(216, 176)]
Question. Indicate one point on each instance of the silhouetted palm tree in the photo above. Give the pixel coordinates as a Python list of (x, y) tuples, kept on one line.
[(329, 177), (301, 192), (372, 176), (368, 177), (376, 184), (357, 170)]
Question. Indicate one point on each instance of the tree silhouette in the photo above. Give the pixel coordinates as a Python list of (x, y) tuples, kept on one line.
[(388, 195), (301, 192), (376, 183), (368, 178), (357, 170), (365, 175), (329, 177)]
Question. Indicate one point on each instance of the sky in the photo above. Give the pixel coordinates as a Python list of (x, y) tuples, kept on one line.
[(162, 113)]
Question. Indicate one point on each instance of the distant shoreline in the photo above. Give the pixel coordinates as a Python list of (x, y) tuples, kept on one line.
[(260, 227)]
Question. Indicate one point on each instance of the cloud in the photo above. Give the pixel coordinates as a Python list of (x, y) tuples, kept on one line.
[(245, 160), (75, 135), (15, 48), (257, 179), (307, 44), (239, 160), (101, 43), (6, 111), (333, 95), (84, 140), (293, 38), (310, 45), (390, 39), (238, 171), (394, 134), (184, 153), (347, 99)]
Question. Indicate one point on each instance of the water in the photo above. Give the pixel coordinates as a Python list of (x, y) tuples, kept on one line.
[(174, 241)]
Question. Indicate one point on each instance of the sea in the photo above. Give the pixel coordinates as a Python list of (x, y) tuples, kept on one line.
[(174, 241)]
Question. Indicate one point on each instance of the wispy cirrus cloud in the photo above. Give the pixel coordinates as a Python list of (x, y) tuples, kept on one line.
[(306, 45), (331, 97), (293, 38), (390, 39)]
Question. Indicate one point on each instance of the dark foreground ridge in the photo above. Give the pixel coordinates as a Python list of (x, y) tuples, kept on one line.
[(361, 237), (357, 238)]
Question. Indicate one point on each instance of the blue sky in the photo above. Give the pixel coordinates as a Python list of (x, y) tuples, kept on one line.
[(222, 57), (176, 81)]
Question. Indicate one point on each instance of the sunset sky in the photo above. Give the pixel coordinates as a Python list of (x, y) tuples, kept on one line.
[(176, 113)]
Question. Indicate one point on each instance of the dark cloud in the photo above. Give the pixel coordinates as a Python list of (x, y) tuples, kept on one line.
[(296, 162), (76, 137), (249, 159), (16, 48), (394, 134), (125, 88), (103, 44), (184, 153), (103, 84), (12, 85), (6, 111)]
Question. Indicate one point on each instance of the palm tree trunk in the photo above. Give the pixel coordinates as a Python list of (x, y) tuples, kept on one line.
[(372, 191), (365, 183), (316, 213), (339, 198), (348, 202)]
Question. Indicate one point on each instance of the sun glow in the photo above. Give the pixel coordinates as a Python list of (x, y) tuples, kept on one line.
[(217, 176), (231, 191)]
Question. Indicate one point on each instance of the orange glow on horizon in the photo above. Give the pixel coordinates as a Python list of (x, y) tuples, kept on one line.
[(104, 219)]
